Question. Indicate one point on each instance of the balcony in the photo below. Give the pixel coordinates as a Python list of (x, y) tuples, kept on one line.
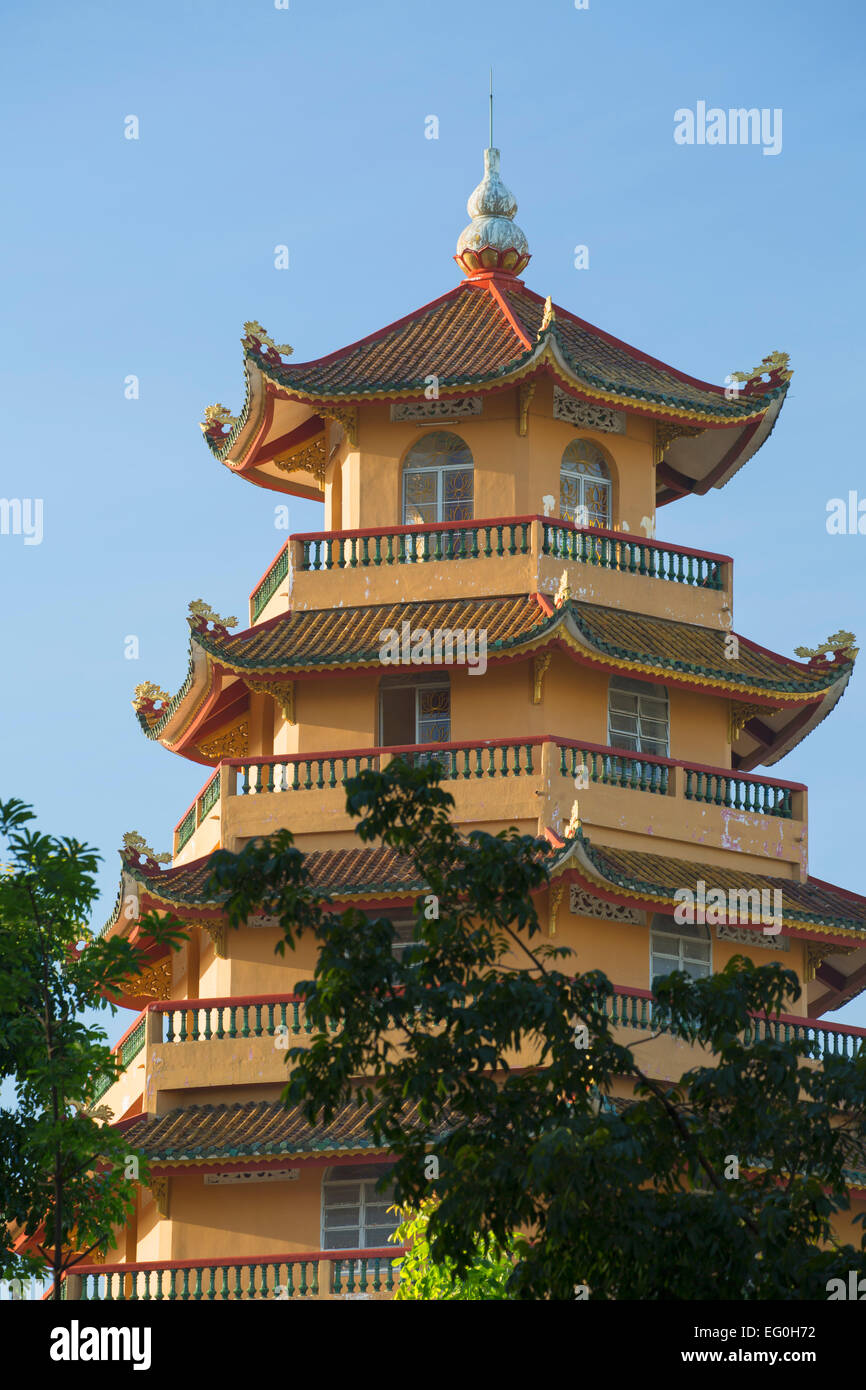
[(365, 1274), (117, 1094), (499, 555), (232, 1041), (723, 811)]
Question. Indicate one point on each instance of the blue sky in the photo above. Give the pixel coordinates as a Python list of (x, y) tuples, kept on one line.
[(305, 127)]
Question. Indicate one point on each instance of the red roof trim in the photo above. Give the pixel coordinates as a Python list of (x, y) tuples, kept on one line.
[(507, 313), (634, 352)]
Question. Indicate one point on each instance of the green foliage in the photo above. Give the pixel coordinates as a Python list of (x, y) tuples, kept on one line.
[(422, 1278), (631, 1200), (63, 1176)]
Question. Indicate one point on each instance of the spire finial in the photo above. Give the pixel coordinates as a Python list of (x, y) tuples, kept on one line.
[(492, 241)]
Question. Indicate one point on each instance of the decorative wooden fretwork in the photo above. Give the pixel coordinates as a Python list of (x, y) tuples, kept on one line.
[(310, 458), (668, 431), (525, 393), (283, 693), (159, 1191), (591, 417), (583, 904), (154, 982), (818, 951), (217, 933), (228, 743), (347, 416), (740, 716), (540, 663), (436, 410), (556, 892), (745, 937), (254, 1175)]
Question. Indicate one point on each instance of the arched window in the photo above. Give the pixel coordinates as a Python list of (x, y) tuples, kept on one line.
[(676, 947), (354, 1215), (584, 485), (638, 717), (438, 480)]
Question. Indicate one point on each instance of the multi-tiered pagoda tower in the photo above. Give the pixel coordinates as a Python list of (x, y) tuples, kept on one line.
[(490, 467)]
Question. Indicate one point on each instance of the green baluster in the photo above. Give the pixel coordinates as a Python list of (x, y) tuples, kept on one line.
[(207, 1027), (233, 1021), (527, 748), (183, 1032), (245, 783), (224, 1290), (245, 1014), (305, 563), (563, 751), (172, 1283), (257, 1030), (211, 1290), (184, 1293), (545, 538)]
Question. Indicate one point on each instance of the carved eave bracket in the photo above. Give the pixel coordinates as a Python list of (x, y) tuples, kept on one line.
[(740, 716), (310, 458), (283, 692), (154, 982), (556, 891), (159, 1192), (217, 933), (228, 743), (525, 394), (347, 416), (540, 664), (667, 432)]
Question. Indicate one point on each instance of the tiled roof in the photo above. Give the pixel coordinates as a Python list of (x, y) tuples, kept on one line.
[(602, 361), (257, 1129), (684, 647), (656, 877), (340, 871), (320, 637), (463, 334), (472, 336), (615, 639)]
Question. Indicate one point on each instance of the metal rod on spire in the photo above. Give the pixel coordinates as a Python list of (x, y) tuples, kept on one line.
[(491, 108)]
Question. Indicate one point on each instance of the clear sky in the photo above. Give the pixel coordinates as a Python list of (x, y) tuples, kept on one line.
[(305, 127)]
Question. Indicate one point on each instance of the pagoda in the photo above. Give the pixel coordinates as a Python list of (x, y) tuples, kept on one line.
[(490, 468)]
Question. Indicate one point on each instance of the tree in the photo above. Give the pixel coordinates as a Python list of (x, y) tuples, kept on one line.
[(67, 1179), (722, 1185), (421, 1278)]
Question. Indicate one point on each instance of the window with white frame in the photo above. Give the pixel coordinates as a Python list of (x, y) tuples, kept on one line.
[(675, 946), (584, 485), (354, 1215), (415, 709), (638, 716), (438, 480)]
